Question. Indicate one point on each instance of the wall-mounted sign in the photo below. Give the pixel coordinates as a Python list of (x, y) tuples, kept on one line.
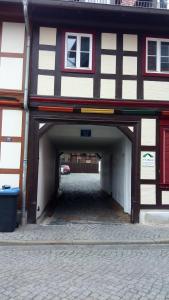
[(148, 159), (8, 139), (85, 132)]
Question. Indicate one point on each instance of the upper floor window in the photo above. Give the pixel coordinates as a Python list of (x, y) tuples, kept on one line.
[(78, 51), (157, 55)]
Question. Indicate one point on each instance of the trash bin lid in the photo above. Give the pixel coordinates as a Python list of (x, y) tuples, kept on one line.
[(9, 192)]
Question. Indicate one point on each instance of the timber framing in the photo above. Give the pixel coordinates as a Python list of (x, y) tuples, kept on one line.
[(11, 97), (13, 139), (97, 76), (35, 101), (37, 117), (11, 10), (98, 16), (117, 110)]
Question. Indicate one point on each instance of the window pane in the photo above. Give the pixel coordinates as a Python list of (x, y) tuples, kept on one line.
[(152, 47), (85, 43), (71, 43), (71, 59), (151, 63), (165, 59), (164, 49), (165, 64), (165, 67), (163, 3), (84, 60)]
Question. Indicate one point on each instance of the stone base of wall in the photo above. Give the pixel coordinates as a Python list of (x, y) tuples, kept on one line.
[(155, 217)]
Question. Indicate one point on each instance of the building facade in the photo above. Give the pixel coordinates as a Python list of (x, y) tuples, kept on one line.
[(12, 116), (81, 162), (92, 63)]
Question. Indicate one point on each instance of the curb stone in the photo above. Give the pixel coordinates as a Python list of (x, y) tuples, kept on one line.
[(82, 242)]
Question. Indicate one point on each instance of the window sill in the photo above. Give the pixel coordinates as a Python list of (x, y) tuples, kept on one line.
[(82, 71), (156, 74), (164, 186)]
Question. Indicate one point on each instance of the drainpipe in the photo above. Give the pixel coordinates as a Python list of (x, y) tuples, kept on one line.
[(26, 110)]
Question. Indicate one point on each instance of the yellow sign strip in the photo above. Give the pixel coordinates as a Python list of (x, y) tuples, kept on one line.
[(97, 110)]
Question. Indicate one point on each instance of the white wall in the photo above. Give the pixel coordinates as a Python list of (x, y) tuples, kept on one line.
[(105, 174), (46, 175), (121, 174), (116, 173), (11, 67)]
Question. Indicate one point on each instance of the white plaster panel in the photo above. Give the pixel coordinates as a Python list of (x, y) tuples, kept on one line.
[(130, 42), (11, 122), (148, 132), (10, 155), (13, 36), (148, 194), (107, 88), (131, 128), (77, 87), (11, 70), (129, 65), (165, 197), (148, 167), (47, 36), (154, 216), (120, 173), (46, 60), (109, 41), (108, 64), (129, 89), (45, 85), (41, 125), (46, 184), (9, 179), (156, 90)]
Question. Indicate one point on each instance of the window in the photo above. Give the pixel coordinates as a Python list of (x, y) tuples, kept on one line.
[(162, 4), (164, 168), (157, 55), (78, 51)]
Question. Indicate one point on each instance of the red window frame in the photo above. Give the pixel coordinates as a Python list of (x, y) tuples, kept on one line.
[(76, 70), (164, 153), (145, 73)]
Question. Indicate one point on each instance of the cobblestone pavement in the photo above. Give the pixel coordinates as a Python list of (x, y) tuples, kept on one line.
[(83, 201), (80, 181), (95, 231), (84, 273), (85, 232)]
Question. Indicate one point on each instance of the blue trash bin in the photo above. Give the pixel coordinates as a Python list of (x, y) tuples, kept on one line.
[(8, 208)]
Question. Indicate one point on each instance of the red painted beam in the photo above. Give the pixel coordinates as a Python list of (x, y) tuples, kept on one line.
[(104, 102), (54, 108), (10, 103)]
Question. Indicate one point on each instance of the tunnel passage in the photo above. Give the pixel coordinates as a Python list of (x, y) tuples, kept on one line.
[(102, 197)]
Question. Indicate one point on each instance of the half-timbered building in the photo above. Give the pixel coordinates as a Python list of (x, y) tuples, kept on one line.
[(12, 65), (98, 66)]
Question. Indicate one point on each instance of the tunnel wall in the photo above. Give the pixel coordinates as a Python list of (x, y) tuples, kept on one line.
[(116, 173), (106, 173), (121, 174), (46, 177)]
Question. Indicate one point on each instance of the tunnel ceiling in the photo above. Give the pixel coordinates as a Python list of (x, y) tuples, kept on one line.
[(68, 137)]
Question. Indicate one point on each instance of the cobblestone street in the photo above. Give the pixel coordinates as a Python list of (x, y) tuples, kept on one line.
[(83, 201), (84, 273), (125, 261)]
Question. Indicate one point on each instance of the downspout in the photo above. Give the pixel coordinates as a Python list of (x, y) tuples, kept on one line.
[(26, 110)]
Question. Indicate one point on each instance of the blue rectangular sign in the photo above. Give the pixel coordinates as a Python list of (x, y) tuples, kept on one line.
[(85, 132)]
